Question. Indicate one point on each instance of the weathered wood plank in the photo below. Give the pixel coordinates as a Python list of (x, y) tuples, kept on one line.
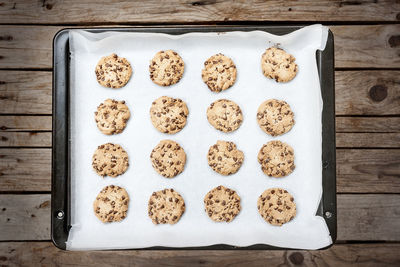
[(367, 92), (359, 217), (23, 92), (25, 139), (45, 253), (25, 123), (25, 170), (368, 170), (25, 217), (368, 140), (179, 11), (367, 124), (367, 46), (356, 46)]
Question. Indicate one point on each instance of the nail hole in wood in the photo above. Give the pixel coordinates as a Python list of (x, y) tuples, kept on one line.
[(378, 92), (296, 258), (394, 40)]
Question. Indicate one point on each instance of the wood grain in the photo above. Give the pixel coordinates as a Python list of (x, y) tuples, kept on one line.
[(180, 11), (25, 170), (368, 170), (367, 124), (27, 92), (46, 254), (23, 92), (25, 123), (367, 46), (356, 46), (359, 217), (367, 140), (25, 139), (361, 92), (25, 217)]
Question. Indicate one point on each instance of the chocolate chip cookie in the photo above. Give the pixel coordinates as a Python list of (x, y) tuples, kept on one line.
[(111, 204), (166, 68), (110, 160), (275, 117), (279, 65), (111, 116), (276, 159), (166, 206), (168, 114), (219, 73), (276, 206), (222, 204), (225, 115), (168, 158), (113, 71), (225, 158)]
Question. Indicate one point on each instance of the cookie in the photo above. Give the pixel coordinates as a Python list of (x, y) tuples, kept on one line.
[(113, 71), (275, 117), (276, 159), (111, 116), (166, 68), (219, 73), (168, 114), (225, 158), (276, 206), (111, 204), (279, 65), (222, 204), (224, 115), (166, 206), (110, 160), (168, 158)]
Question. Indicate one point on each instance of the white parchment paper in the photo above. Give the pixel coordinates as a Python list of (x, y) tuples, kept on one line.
[(139, 137)]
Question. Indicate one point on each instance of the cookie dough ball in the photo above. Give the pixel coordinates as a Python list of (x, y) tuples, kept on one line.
[(279, 65), (276, 206), (113, 71), (168, 158), (275, 117), (110, 160), (225, 115), (219, 73), (166, 207), (111, 204), (166, 68), (169, 115), (276, 159), (111, 116), (222, 204), (225, 158)]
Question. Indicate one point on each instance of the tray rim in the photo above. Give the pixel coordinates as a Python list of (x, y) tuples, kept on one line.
[(60, 222)]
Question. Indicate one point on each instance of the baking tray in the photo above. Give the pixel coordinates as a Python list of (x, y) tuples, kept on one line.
[(60, 193)]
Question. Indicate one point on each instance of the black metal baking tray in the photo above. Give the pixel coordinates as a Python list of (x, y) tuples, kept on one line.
[(60, 193)]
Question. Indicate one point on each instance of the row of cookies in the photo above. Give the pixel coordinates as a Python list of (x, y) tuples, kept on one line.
[(168, 158), (219, 72), (275, 205), (169, 115)]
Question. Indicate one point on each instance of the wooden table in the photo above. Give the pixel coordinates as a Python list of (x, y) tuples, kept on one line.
[(367, 53)]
